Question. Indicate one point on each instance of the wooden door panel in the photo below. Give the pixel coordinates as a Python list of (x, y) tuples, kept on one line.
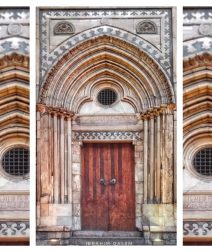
[(108, 207), (121, 195), (93, 194)]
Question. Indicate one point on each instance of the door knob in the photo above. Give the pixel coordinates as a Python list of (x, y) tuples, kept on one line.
[(102, 181), (113, 181)]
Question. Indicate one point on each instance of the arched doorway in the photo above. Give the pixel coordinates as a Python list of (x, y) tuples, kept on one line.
[(132, 124)]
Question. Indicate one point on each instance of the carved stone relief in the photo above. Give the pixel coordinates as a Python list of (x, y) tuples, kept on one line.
[(197, 228), (205, 29), (14, 202), (197, 202), (146, 27), (64, 28), (14, 29), (18, 228), (92, 135)]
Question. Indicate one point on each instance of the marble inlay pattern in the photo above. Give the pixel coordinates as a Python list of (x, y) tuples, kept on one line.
[(14, 30), (197, 27)]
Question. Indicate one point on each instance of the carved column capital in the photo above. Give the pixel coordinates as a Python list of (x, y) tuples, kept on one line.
[(62, 112)]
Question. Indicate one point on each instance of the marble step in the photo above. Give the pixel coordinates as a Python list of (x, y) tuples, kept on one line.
[(102, 234), (106, 241)]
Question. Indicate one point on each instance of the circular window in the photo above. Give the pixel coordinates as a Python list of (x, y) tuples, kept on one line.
[(107, 96), (16, 161), (202, 162)]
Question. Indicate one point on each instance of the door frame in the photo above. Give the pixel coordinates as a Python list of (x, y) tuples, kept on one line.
[(138, 180)]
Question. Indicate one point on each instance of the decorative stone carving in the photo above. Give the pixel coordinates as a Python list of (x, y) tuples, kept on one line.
[(64, 28), (103, 135), (14, 59), (146, 27), (42, 108), (205, 59), (14, 202), (49, 58), (197, 202), (194, 228), (14, 29), (18, 228), (205, 29)]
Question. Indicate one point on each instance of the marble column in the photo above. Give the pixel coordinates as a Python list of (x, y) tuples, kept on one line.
[(145, 159), (56, 163)]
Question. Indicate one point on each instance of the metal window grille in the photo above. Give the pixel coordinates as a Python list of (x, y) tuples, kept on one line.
[(203, 162), (16, 161), (107, 96)]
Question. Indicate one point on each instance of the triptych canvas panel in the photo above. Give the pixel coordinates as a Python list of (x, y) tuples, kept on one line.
[(107, 131)]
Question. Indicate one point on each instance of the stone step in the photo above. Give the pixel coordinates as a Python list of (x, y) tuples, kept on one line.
[(106, 241), (109, 234)]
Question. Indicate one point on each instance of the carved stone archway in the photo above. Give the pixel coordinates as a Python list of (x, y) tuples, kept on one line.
[(71, 84)]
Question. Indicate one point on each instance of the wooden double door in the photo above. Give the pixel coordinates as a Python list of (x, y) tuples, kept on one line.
[(108, 186)]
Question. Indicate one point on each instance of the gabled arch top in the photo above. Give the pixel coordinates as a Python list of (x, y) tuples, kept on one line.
[(106, 59), (161, 51)]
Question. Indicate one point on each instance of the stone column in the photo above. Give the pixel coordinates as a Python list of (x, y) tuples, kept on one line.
[(38, 173), (62, 159), (151, 158), (157, 158), (69, 159), (50, 153), (167, 157), (145, 159), (56, 163)]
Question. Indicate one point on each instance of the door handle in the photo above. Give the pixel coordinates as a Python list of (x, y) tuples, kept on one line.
[(102, 181), (113, 181)]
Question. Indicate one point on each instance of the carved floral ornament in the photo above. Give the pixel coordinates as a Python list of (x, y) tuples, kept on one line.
[(14, 59), (151, 113), (204, 59), (146, 27), (197, 228), (64, 28), (44, 109), (18, 228), (154, 112)]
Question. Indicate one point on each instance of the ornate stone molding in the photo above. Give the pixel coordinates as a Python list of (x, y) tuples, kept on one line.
[(106, 135), (204, 59), (108, 41), (197, 228), (18, 228), (44, 109), (14, 59), (14, 30), (49, 58), (197, 15), (197, 202), (154, 112), (14, 202)]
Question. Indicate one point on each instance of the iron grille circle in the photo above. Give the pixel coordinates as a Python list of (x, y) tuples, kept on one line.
[(202, 162), (16, 161), (107, 96)]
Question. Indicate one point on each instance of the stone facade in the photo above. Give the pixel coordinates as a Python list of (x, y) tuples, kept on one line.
[(197, 122), (14, 121), (82, 51)]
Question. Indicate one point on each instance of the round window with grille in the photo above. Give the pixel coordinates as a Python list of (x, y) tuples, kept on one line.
[(202, 161), (16, 162), (107, 97)]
